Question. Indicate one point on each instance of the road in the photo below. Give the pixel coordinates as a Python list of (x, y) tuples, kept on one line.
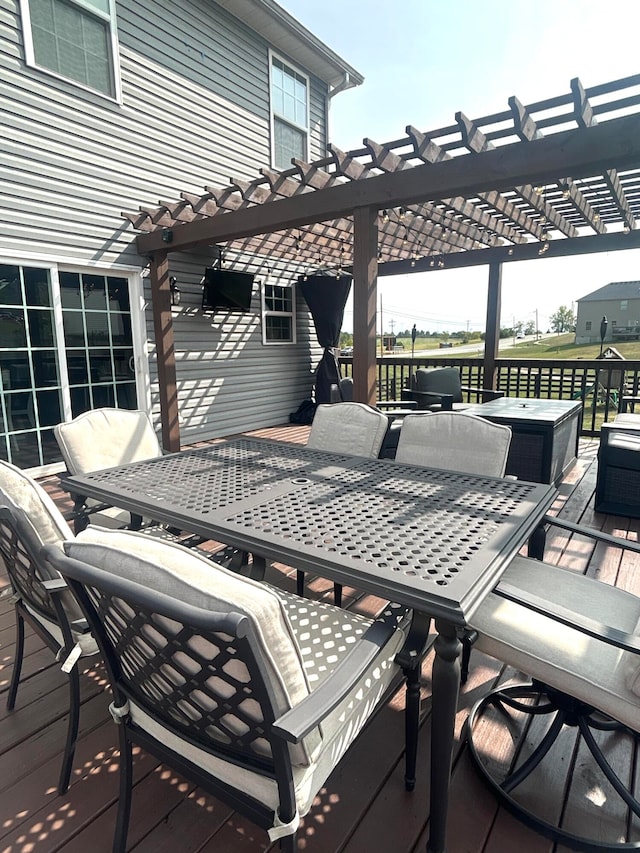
[(476, 349)]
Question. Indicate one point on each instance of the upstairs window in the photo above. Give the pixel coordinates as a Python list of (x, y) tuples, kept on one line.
[(278, 314), (75, 39), (623, 304), (289, 113), (587, 326)]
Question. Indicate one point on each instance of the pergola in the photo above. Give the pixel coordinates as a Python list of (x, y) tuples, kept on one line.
[(554, 178)]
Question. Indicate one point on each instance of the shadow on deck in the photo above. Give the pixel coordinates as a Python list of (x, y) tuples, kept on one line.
[(363, 807)]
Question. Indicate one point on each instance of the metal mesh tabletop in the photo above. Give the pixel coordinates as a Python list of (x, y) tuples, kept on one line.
[(431, 539)]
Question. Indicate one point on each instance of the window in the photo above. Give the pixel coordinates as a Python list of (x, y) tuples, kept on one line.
[(290, 113), (587, 326), (66, 346), (278, 314), (623, 304), (75, 39)]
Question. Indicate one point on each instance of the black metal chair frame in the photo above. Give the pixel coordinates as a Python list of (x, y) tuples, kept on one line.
[(567, 710), (32, 584), (232, 634)]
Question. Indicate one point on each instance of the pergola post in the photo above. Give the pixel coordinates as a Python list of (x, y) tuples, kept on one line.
[(165, 350), (365, 284), (492, 336)]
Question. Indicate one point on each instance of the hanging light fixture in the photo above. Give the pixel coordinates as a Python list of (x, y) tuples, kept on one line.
[(175, 290)]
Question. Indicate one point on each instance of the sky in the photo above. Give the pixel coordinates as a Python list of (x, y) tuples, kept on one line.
[(422, 61)]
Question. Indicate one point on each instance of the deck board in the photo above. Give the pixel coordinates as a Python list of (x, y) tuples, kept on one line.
[(363, 806)]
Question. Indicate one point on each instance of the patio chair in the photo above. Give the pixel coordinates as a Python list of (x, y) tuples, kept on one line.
[(103, 438), (29, 520), (439, 389), (252, 693), (618, 477), (395, 410), (456, 441), (578, 639), (345, 428)]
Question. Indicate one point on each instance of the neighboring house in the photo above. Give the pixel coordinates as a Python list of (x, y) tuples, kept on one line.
[(109, 106), (619, 302)]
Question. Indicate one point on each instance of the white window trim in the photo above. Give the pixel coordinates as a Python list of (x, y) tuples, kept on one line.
[(265, 313), (272, 114), (30, 58)]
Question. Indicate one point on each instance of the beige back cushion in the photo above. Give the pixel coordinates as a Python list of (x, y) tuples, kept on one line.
[(28, 500), (104, 438), (42, 522), (186, 575), (348, 428), (456, 441)]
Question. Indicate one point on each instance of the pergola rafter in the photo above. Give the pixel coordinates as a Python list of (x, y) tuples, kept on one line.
[(586, 118), (556, 177)]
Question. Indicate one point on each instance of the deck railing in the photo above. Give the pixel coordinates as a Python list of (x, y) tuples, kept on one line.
[(601, 384)]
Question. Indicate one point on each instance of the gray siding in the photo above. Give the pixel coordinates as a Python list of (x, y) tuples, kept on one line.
[(194, 112), (593, 311)]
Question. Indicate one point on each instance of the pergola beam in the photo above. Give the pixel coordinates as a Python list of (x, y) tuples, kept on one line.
[(592, 244), (598, 148)]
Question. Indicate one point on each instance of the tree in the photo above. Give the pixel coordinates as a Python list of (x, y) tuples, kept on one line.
[(563, 320)]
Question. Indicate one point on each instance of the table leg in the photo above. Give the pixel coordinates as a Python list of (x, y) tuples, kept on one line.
[(445, 691), (537, 542)]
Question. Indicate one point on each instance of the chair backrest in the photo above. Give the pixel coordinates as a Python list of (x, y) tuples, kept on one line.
[(439, 380), (456, 441), (206, 653), (103, 438), (346, 389), (348, 428), (29, 520)]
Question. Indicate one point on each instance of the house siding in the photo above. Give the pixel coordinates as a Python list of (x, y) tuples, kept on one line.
[(194, 111), (608, 301)]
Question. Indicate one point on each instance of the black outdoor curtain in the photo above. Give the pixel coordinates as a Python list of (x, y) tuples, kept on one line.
[(326, 296)]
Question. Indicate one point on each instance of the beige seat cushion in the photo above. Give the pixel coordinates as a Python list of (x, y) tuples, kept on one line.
[(560, 656)]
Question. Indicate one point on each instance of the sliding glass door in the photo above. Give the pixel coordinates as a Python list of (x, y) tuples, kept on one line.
[(66, 346)]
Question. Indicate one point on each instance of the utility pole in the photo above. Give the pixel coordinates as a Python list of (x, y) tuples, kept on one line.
[(537, 332), (381, 329)]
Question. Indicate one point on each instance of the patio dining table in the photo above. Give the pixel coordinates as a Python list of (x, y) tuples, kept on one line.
[(436, 541)]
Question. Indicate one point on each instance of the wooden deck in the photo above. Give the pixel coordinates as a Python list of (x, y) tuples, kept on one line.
[(363, 807)]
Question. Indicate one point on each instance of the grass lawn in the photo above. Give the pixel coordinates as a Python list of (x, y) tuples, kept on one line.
[(556, 347), (562, 346)]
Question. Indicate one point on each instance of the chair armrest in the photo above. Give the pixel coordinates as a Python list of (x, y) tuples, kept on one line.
[(424, 399), (578, 621), (486, 393), (296, 723), (397, 404), (616, 541)]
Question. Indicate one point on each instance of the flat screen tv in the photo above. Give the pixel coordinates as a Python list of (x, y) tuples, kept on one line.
[(226, 290)]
